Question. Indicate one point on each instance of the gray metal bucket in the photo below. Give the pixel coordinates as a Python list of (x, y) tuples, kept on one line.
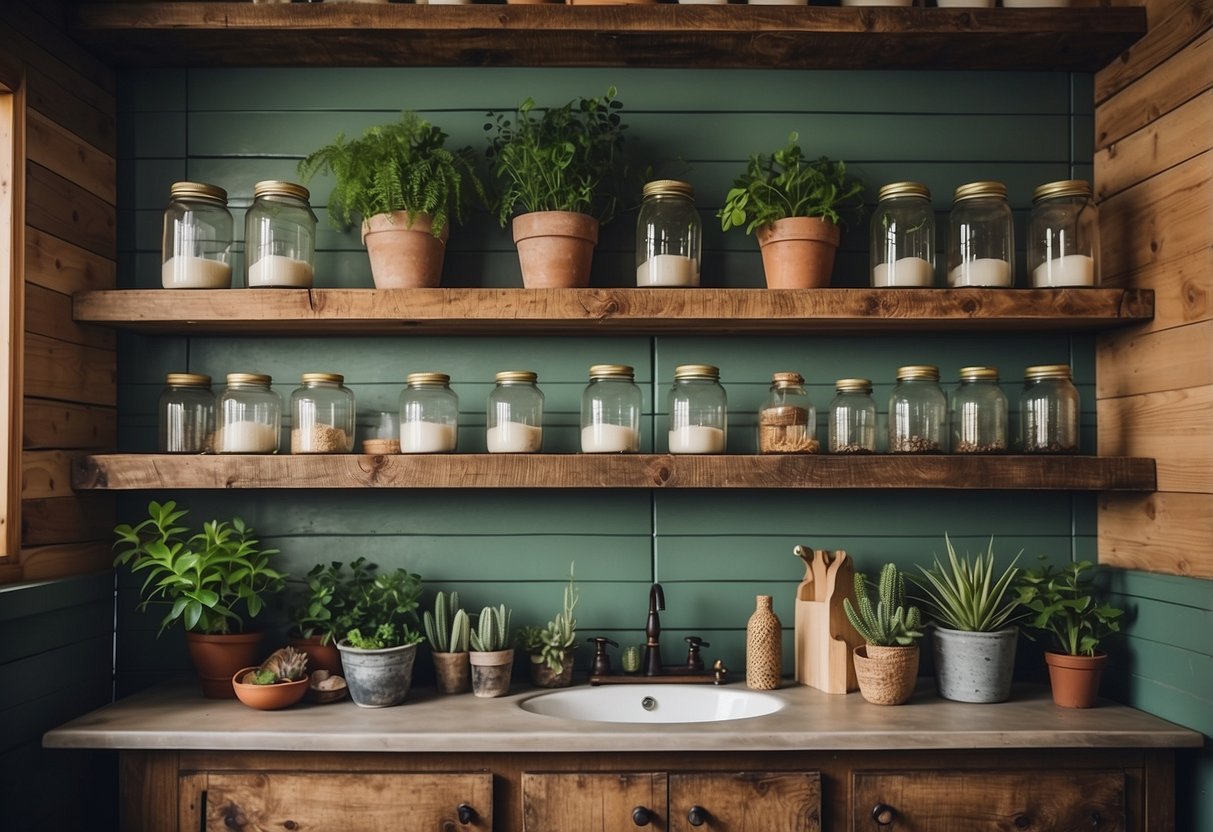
[(378, 678)]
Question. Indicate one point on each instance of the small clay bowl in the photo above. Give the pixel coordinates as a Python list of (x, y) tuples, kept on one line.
[(268, 697), (323, 696)]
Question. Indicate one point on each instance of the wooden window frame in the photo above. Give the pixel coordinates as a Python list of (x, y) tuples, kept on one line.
[(12, 308)]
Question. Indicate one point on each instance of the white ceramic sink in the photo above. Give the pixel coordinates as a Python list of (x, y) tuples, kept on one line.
[(653, 703)]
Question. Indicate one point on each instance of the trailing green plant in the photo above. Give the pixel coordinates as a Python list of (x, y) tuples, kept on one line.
[(1062, 604), (786, 184), (888, 623), (205, 578), (965, 595), (322, 607), (567, 158), (492, 630), (549, 645), (285, 664), (448, 626), (384, 607), (402, 166)]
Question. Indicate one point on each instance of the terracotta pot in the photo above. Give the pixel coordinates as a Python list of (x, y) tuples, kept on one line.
[(218, 657), (378, 678), (798, 252), (491, 672), (319, 656), (555, 248), (886, 675), (1075, 679), (543, 676), (268, 697), (452, 672), (404, 256)]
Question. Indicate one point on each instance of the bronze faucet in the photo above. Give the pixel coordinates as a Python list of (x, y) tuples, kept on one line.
[(652, 632)]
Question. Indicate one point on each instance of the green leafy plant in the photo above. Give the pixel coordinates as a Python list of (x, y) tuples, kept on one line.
[(206, 578), (548, 645), (383, 608), (323, 605), (402, 166), (889, 622), (1062, 603), (965, 595), (492, 630), (448, 626), (567, 158), (786, 184)]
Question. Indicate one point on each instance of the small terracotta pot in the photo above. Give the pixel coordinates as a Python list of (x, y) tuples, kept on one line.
[(452, 671), (319, 656), (543, 676), (268, 697), (886, 675), (798, 252), (1075, 679), (555, 248), (218, 657), (491, 672), (404, 256)]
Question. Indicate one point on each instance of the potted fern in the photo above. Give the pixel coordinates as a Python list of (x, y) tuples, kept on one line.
[(406, 187), (793, 206), (209, 581), (559, 171), (491, 659), (887, 665), (448, 629), (550, 649), (379, 647)]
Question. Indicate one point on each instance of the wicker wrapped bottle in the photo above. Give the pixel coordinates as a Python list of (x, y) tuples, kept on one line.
[(763, 647)]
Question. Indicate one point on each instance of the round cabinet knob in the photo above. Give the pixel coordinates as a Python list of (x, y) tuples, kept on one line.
[(1022, 822), (697, 816), (642, 816), (466, 814), (884, 814)]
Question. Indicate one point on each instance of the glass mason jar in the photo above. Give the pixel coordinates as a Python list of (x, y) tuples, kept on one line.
[(699, 411), (610, 411), (381, 432), (515, 414), (981, 237), (187, 414), (787, 422), (322, 415), (279, 237), (918, 412), (249, 416), (852, 426), (1049, 410), (429, 415), (979, 413), (669, 235), (903, 237), (1063, 235), (197, 244)]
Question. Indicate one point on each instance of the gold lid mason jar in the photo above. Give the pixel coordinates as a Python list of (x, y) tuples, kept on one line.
[(918, 412), (787, 422), (699, 411), (852, 425), (187, 414), (429, 415), (515, 414), (279, 237), (196, 248), (1063, 235), (981, 237), (1049, 410), (669, 235), (903, 237), (979, 413), (322, 415), (610, 411), (249, 416)]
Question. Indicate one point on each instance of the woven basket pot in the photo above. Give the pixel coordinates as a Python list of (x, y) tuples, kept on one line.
[(886, 674)]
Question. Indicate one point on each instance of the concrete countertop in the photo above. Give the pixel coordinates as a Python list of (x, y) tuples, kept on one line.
[(176, 717)]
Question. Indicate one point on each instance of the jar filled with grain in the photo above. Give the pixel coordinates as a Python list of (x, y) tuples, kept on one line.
[(902, 236), (787, 422), (918, 412), (279, 237), (699, 411), (515, 414), (196, 248), (1049, 410), (429, 415), (1063, 235), (610, 411), (852, 423), (981, 237), (322, 415), (248, 417), (187, 414), (668, 235), (979, 413)]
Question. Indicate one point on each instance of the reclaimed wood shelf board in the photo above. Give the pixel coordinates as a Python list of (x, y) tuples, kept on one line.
[(659, 35), (165, 471), (605, 311)]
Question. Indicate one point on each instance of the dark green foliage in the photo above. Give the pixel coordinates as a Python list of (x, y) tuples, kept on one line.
[(1064, 605), (889, 623), (324, 606), (383, 608)]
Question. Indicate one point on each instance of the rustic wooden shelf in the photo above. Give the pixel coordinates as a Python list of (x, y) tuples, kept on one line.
[(665, 35), (610, 311), (1060, 473)]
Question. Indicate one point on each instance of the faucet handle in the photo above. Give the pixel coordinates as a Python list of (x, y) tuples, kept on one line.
[(601, 664), (696, 642), (694, 661)]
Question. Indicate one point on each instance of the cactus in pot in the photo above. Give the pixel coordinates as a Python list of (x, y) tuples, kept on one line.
[(887, 665), (448, 629), (492, 661)]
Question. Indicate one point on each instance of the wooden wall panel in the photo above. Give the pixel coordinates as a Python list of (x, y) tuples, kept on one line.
[(1173, 359), (57, 264), (1174, 138), (49, 313), (52, 424), (46, 474), (1171, 426), (59, 207), (1183, 289), (61, 560), (1173, 24), (58, 370), (1163, 532), (61, 151), (87, 517)]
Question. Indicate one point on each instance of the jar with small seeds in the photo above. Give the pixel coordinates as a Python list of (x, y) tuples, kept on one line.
[(979, 413), (1049, 410), (787, 422), (918, 412), (852, 422), (322, 415)]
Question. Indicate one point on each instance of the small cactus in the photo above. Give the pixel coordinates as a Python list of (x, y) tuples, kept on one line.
[(492, 631), (447, 627), (890, 622), (630, 660)]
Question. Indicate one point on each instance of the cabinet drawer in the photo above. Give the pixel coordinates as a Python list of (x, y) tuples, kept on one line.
[(746, 801), (559, 802), (973, 801)]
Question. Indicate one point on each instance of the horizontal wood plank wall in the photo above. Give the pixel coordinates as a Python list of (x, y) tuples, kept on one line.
[(1154, 179)]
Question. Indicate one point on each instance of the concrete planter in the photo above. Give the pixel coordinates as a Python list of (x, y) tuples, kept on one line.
[(378, 678), (974, 667)]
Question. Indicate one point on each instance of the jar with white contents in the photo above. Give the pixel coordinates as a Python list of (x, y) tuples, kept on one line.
[(669, 235), (429, 415), (1063, 235), (698, 408), (249, 416), (981, 237), (515, 414), (279, 237), (610, 411), (903, 237), (197, 244), (187, 414)]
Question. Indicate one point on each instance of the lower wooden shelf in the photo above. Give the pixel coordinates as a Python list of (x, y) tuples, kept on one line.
[(170, 471)]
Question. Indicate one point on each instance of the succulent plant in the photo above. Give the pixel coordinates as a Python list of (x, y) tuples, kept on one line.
[(966, 596), (448, 626), (283, 665), (492, 631), (549, 645), (890, 623)]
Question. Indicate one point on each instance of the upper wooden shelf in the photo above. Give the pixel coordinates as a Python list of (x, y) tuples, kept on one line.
[(665, 35), (1055, 473), (609, 311)]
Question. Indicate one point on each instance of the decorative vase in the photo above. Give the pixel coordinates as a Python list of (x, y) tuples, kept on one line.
[(543, 676), (491, 671), (378, 678), (798, 252), (404, 256), (555, 248), (886, 674), (763, 647), (1075, 679), (319, 656), (217, 657), (974, 667), (452, 671), (267, 697)]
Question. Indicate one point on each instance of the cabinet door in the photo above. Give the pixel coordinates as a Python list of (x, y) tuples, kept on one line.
[(222, 802), (942, 801), (614, 802), (748, 801)]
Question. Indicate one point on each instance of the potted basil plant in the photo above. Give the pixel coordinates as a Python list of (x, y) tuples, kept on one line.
[(379, 649)]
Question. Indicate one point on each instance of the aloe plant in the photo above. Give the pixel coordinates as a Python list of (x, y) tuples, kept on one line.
[(492, 631), (889, 623), (965, 595), (448, 626)]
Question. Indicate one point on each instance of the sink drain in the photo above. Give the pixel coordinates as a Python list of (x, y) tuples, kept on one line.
[(648, 703)]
